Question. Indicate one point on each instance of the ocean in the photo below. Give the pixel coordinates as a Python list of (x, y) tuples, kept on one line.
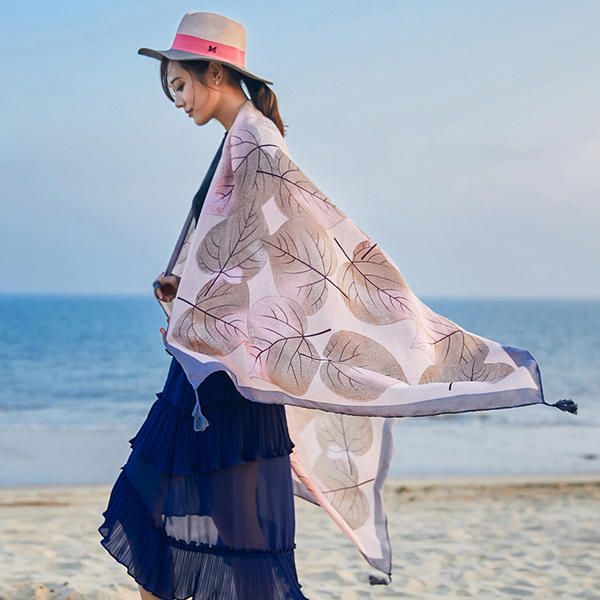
[(78, 375)]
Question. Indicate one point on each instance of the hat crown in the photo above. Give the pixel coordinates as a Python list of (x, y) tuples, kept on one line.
[(214, 27)]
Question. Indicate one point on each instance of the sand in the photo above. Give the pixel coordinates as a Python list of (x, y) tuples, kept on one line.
[(527, 537)]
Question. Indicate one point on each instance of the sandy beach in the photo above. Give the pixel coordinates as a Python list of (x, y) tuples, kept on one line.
[(501, 537)]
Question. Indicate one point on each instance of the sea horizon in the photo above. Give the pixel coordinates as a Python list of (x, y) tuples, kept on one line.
[(80, 371)]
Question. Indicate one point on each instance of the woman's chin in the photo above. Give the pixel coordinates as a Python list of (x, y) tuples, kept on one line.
[(199, 120)]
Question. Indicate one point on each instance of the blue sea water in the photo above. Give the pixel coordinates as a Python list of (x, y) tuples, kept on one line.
[(80, 373)]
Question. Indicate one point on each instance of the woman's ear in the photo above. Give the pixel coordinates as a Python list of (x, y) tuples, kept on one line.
[(215, 72)]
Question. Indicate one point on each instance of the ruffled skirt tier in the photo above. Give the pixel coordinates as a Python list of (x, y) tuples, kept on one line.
[(206, 515)]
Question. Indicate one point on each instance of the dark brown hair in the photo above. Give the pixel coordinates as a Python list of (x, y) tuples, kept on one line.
[(262, 96)]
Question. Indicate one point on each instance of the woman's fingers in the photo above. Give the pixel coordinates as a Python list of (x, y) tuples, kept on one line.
[(166, 286)]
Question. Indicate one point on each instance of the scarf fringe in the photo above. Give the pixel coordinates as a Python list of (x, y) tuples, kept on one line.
[(200, 421), (380, 580), (566, 405)]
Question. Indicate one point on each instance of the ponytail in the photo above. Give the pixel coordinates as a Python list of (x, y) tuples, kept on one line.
[(264, 98)]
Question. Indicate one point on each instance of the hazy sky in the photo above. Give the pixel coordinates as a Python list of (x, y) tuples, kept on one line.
[(464, 137)]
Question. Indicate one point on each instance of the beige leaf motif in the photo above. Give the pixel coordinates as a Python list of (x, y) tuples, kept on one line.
[(302, 260), (341, 436), (460, 356), (375, 289), (343, 489), (215, 324), (280, 344), (184, 251), (296, 195), (254, 167), (218, 200), (357, 367), (299, 418), (233, 250), (429, 326)]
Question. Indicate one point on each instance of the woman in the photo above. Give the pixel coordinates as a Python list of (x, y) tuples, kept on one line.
[(211, 515), (277, 297)]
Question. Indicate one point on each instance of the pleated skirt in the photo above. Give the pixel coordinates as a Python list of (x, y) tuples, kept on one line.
[(206, 515)]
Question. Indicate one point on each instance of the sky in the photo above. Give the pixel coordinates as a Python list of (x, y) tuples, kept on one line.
[(463, 137)]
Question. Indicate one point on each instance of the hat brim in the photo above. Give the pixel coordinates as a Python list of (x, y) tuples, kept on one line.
[(173, 54)]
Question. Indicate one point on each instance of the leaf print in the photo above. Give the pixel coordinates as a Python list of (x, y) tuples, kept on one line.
[(355, 364), (215, 323), (299, 418), (283, 353), (343, 489), (296, 194), (433, 324), (341, 436), (460, 356), (218, 199), (253, 168), (375, 289), (233, 250), (430, 326), (184, 251), (302, 260)]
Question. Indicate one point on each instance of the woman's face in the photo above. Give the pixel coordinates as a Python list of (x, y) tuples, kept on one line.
[(196, 99)]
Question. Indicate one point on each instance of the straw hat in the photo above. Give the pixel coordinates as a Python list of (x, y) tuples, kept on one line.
[(208, 36)]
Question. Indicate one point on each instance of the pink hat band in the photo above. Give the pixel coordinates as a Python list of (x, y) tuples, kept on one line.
[(209, 48)]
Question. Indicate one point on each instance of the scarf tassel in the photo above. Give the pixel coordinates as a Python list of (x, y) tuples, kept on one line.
[(200, 421), (566, 405), (380, 580)]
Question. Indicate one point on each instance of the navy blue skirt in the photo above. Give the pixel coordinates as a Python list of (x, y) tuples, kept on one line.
[(210, 514)]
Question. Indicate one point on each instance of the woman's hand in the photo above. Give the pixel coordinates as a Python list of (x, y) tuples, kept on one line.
[(165, 287)]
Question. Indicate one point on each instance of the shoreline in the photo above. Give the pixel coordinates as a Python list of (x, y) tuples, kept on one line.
[(405, 483), (433, 449)]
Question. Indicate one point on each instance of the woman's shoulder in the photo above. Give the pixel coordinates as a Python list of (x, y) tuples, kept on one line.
[(261, 129)]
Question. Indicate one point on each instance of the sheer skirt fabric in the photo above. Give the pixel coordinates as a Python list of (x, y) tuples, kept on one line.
[(207, 515)]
